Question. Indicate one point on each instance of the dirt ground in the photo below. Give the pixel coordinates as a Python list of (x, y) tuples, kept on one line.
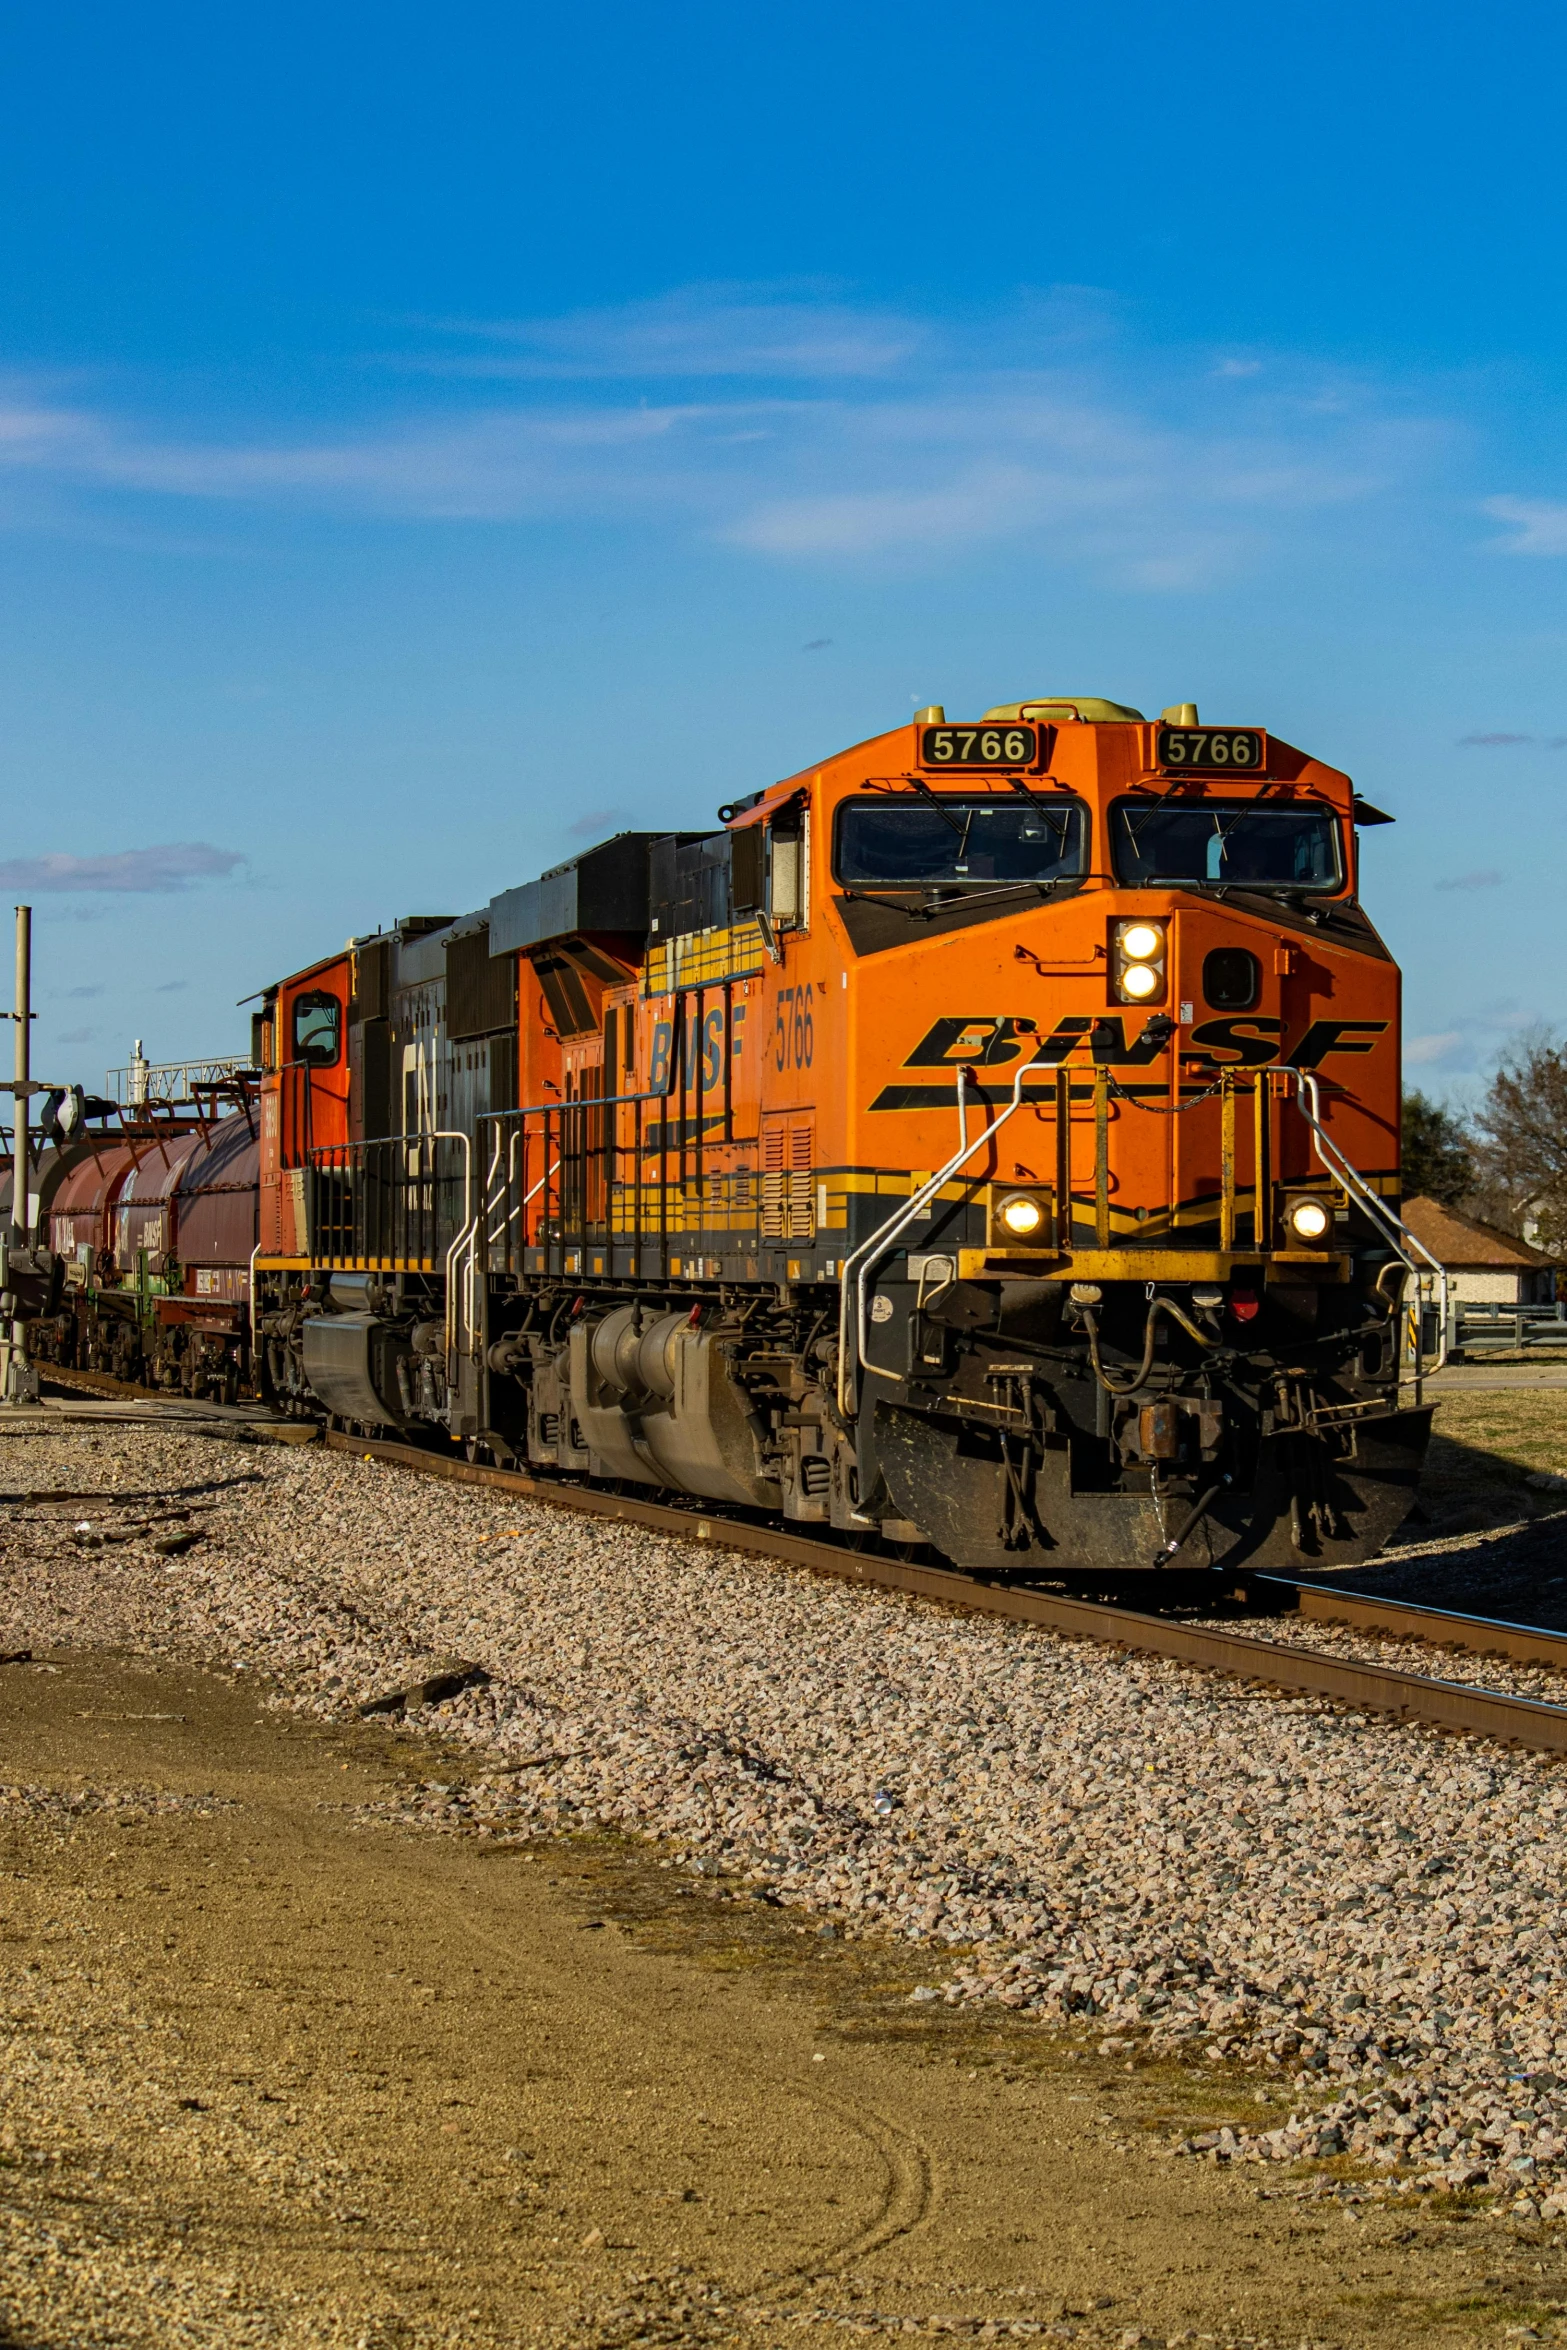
[(272, 2074)]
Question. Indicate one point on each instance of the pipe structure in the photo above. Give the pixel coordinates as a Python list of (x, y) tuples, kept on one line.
[(21, 1205)]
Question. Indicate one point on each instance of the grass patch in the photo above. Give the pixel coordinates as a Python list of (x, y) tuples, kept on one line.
[(1486, 1445)]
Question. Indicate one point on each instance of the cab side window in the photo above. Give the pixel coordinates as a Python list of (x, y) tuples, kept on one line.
[(318, 1029)]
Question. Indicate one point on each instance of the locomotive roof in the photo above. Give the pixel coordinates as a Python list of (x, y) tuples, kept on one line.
[(610, 887)]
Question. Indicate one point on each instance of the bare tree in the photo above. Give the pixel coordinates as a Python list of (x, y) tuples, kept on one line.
[(1522, 1123)]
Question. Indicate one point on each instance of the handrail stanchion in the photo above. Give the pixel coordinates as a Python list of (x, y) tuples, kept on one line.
[(858, 1263), (1394, 1230)]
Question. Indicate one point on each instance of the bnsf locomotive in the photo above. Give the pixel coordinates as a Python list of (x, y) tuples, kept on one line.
[(987, 1139)]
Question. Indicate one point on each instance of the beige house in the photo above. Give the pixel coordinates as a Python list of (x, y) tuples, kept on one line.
[(1484, 1266)]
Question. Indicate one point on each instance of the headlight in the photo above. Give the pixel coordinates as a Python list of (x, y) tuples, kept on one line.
[(1019, 1216), (1137, 960), (1308, 1220)]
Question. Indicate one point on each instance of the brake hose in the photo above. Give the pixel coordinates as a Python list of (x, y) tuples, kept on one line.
[(1160, 1305)]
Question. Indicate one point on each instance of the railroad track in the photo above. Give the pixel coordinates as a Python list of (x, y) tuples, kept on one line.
[(1382, 1689)]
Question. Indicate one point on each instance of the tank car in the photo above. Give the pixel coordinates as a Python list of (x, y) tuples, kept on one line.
[(987, 1139), (153, 1234)]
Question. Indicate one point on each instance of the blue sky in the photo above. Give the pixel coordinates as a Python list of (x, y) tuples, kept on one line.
[(431, 439)]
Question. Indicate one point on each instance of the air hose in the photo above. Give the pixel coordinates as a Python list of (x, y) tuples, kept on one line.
[(1161, 1305)]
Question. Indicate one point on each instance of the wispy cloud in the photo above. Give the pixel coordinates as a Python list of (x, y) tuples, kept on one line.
[(599, 823), (1509, 742), (710, 331), (1431, 1052), (175, 865), (1474, 1043), (804, 430), (1537, 526), (1486, 880)]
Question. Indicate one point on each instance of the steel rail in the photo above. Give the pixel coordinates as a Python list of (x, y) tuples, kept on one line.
[(1406, 1619), (1448, 1705), (1371, 1688)]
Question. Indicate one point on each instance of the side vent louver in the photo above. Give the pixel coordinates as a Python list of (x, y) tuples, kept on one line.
[(787, 1159)]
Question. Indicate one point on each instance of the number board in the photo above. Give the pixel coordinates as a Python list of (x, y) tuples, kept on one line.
[(1213, 750), (979, 746)]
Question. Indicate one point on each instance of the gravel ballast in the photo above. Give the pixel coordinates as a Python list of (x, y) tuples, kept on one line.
[(1161, 1858)]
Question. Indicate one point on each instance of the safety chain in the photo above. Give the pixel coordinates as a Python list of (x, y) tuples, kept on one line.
[(1161, 1109)]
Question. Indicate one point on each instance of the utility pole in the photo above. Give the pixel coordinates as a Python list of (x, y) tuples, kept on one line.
[(21, 1202), (20, 1383)]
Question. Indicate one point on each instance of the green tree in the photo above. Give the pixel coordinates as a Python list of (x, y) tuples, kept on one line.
[(1438, 1156)]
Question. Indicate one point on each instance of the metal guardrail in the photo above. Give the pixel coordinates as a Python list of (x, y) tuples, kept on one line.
[(1478, 1328), (402, 1203), (172, 1081)]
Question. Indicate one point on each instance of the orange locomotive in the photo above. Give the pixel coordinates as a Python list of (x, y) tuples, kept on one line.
[(988, 1140)]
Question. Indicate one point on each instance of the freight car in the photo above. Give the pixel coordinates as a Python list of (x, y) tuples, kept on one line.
[(152, 1232), (987, 1138)]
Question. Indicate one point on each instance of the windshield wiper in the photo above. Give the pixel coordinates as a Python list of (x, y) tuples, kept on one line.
[(865, 897), (925, 793), (1056, 818)]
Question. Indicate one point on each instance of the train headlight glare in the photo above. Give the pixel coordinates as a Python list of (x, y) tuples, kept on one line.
[(1309, 1220), (1137, 960), (1021, 1216)]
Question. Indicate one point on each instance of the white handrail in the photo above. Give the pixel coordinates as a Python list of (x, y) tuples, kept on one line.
[(858, 1263), (470, 1279), (453, 1134), (857, 1266), (1394, 1230)]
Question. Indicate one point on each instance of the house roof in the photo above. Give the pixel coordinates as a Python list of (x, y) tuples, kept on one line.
[(1458, 1241)]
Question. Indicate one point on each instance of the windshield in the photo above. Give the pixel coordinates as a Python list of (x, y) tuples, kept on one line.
[(1204, 842), (910, 842)]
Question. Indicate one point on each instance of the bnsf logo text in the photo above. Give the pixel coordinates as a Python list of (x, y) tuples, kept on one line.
[(1248, 1042)]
